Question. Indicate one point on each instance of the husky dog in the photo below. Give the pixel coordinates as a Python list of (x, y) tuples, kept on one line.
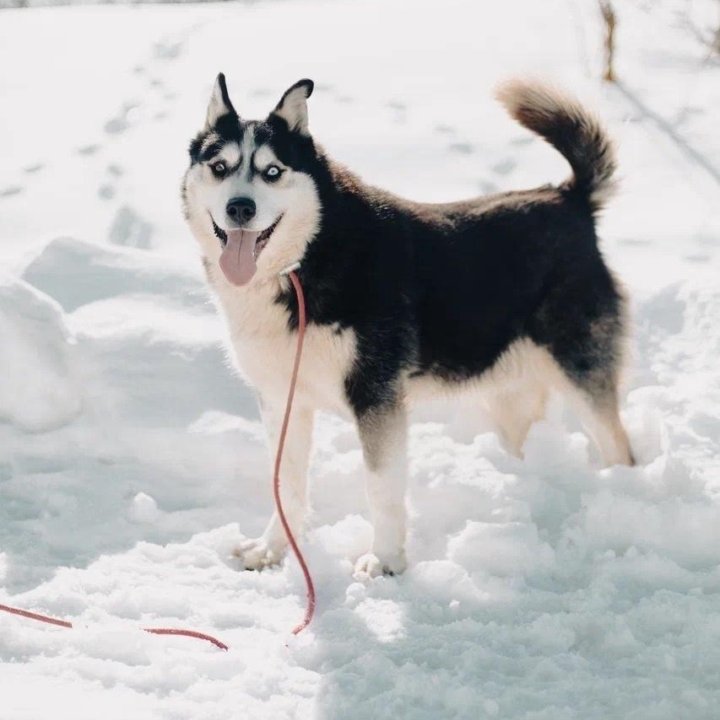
[(507, 292)]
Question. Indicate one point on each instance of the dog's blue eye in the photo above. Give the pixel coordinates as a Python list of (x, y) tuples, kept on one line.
[(272, 172), (218, 168)]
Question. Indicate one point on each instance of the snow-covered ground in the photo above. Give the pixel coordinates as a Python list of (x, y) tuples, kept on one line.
[(131, 458)]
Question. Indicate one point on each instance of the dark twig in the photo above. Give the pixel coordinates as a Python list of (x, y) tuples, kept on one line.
[(610, 19)]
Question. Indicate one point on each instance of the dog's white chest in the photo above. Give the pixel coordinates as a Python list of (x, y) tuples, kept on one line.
[(264, 349)]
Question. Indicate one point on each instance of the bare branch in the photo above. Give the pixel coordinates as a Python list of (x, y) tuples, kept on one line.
[(610, 19)]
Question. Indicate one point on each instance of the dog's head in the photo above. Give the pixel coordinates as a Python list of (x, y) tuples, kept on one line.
[(249, 192)]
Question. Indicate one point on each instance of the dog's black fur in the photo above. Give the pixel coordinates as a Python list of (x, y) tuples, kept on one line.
[(445, 289)]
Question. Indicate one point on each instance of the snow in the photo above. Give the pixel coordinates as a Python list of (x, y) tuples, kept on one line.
[(132, 459)]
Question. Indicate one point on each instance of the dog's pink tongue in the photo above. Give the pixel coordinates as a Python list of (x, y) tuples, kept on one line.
[(238, 256)]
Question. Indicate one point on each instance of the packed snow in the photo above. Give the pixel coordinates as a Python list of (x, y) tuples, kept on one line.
[(132, 459)]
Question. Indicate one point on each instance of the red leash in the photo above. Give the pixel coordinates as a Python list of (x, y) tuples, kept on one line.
[(155, 631), (310, 610), (302, 323)]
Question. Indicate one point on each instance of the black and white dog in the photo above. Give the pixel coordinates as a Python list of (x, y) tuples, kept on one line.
[(508, 293)]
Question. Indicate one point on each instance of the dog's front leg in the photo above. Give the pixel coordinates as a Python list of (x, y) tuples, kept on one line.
[(270, 547), (383, 435)]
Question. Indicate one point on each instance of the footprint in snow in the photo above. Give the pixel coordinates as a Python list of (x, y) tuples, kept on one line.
[(504, 167), (32, 169), (107, 190), (130, 230), (88, 149), (122, 121), (463, 148), (520, 141), (445, 129), (10, 191), (697, 257), (167, 50)]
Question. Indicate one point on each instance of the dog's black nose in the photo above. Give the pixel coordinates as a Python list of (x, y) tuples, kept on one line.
[(241, 209)]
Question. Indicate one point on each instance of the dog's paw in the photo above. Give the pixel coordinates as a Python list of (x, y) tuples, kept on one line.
[(371, 565), (258, 553)]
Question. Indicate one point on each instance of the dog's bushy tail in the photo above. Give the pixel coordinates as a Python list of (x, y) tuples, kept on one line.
[(571, 130)]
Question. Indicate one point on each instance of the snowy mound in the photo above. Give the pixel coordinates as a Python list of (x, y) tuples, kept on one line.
[(39, 389), (76, 273)]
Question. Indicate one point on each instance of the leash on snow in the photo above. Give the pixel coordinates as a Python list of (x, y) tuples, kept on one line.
[(155, 631), (310, 608)]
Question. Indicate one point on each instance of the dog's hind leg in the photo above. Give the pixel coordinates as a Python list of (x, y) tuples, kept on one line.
[(270, 547), (515, 411), (599, 412), (383, 435), (591, 369), (582, 323)]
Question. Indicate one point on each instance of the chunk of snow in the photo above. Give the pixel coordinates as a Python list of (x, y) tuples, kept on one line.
[(144, 508), (39, 383)]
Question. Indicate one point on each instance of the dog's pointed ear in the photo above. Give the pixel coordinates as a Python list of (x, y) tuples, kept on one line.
[(292, 107), (219, 104)]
